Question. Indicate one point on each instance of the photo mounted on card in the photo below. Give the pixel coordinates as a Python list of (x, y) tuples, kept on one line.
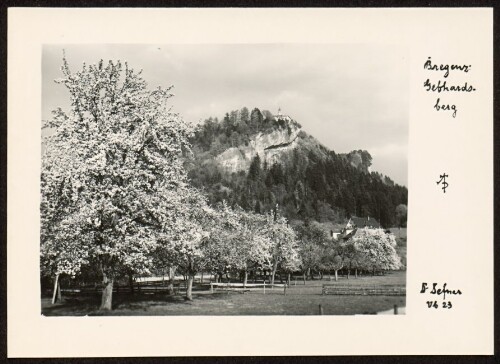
[(235, 169)]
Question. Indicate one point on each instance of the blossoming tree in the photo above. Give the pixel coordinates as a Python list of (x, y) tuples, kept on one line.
[(237, 241), (284, 244), (376, 250), (251, 248), (113, 183)]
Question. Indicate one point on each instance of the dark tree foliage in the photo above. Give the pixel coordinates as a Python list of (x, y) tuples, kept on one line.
[(255, 170), (310, 182)]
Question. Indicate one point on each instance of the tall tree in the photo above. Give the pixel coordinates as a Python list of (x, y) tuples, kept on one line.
[(244, 115), (238, 241), (401, 213), (255, 170), (337, 255), (284, 243), (252, 244), (267, 115), (312, 242), (180, 243), (256, 116), (113, 183), (376, 250)]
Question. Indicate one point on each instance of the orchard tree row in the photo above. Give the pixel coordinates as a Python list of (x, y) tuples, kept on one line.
[(368, 250)]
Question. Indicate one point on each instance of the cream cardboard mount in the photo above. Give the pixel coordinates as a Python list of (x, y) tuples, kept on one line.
[(450, 235)]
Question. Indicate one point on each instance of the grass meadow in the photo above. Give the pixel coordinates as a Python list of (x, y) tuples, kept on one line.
[(300, 299)]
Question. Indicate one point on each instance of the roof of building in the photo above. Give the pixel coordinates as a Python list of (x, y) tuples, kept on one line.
[(281, 116), (362, 222), (349, 235)]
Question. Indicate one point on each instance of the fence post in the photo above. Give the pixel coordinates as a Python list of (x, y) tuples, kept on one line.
[(211, 287), (284, 292), (320, 310), (264, 287), (395, 309)]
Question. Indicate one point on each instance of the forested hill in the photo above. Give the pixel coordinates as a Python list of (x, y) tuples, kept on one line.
[(257, 160)]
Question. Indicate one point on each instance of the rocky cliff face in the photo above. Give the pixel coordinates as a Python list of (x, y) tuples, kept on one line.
[(359, 159), (269, 146)]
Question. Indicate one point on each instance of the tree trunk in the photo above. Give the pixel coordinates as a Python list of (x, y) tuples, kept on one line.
[(245, 279), (171, 279), (336, 275), (308, 272), (288, 280), (304, 276), (131, 283), (356, 273), (107, 294), (59, 297), (275, 266), (189, 289), (56, 284), (373, 272)]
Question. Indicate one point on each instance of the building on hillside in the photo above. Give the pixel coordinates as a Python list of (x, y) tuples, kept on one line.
[(348, 234), (335, 236), (281, 116), (353, 225), (362, 222), (344, 234)]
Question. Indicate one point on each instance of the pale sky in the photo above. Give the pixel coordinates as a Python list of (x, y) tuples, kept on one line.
[(346, 96)]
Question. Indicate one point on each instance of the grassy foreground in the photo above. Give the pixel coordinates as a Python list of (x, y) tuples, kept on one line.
[(300, 300)]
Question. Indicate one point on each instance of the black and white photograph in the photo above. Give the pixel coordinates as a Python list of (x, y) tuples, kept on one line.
[(236, 179), (257, 182)]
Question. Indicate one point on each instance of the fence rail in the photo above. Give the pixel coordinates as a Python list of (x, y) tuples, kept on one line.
[(143, 287), (364, 290), (247, 286)]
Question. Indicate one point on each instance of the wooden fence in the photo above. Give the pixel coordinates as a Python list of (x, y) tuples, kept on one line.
[(152, 287), (247, 287), (148, 287), (364, 290)]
